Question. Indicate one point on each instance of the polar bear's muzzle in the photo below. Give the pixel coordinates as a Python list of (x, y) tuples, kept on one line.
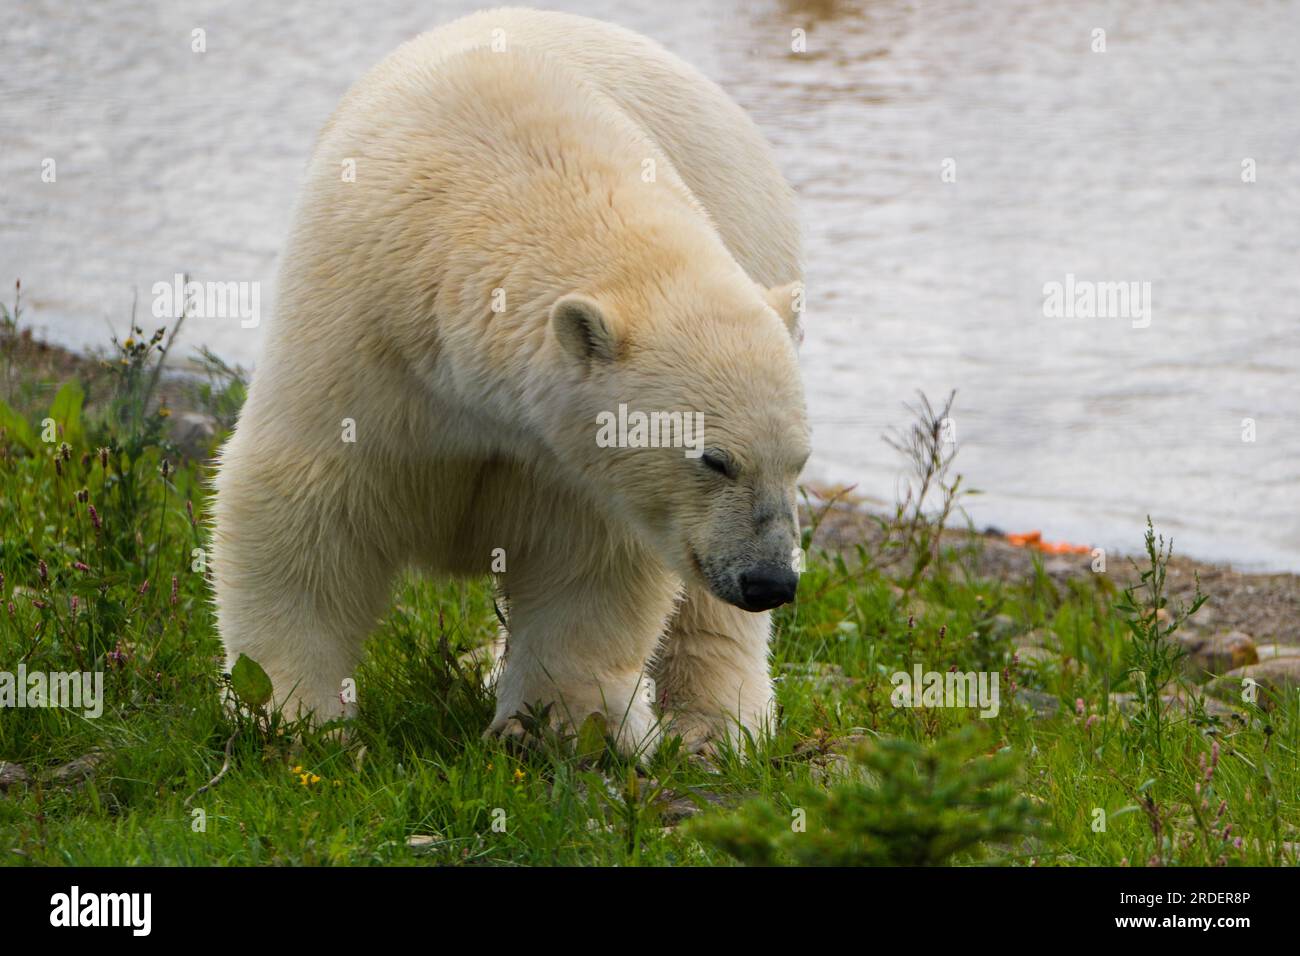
[(760, 588), (766, 586)]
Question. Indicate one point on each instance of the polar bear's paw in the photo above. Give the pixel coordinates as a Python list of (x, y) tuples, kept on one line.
[(701, 734), (709, 735), (634, 733)]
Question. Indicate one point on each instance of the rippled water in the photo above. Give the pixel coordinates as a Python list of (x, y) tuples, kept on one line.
[(1116, 166)]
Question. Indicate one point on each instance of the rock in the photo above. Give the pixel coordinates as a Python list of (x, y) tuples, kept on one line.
[(1126, 702), (76, 772), (825, 744), (822, 674), (12, 775), (675, 807), (1064, 568), (828, 757), (423, 841), (1043, 705), (829, 768), (1036, 656), (1176, 703), (1269, 651), (1003, 626), (1212, 708), (1037, 638), (1281, 675), (1205, 619), (918, 608), (192, 433), (1208, 656)]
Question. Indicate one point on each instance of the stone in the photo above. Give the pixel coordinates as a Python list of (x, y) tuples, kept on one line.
[(829, 768), (1269, 651), (1036, 656), (192, 433), (825, 744), (822, 674), (12, 775), (1280, 675), (1003, 625), (76, 772), (1043, 705), (675, 807), (1211, 706), (1064, 568), (1210, 656), (1178, 702), (1037, 638)]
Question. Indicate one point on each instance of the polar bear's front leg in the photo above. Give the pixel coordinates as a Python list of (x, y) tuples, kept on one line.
[(712, 674), (297, 590), (579, 642)]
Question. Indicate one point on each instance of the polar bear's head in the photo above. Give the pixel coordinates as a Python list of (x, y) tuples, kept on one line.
[(693, 425)]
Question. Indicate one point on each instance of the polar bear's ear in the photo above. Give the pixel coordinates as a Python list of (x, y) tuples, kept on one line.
[(583, 328), (787, 301)]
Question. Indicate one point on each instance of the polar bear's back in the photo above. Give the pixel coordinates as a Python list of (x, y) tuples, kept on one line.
[(716, 148)]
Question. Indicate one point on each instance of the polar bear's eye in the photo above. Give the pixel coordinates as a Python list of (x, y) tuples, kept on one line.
[(718, 461)]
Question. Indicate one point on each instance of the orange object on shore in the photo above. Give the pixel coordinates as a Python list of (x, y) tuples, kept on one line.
[(1034, 539)]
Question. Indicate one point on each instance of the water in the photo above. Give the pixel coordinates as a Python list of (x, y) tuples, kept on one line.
[(1116, 166)]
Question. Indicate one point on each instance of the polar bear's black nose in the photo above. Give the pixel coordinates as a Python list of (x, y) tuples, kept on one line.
[(768, 586)]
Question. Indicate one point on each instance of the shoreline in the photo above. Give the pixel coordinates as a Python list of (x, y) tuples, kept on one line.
[(1262, 604)]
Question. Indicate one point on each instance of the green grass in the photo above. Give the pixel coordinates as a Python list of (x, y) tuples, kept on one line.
[(124, 590)]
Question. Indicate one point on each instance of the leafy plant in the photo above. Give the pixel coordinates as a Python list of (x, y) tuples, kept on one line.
[(901, 804), (222, 392), (1154, 661), (929, 447)]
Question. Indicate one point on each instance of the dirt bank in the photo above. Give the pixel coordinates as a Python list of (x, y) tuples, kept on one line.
[(1265, 606)]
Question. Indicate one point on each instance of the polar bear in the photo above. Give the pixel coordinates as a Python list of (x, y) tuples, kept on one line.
[(513, 229)]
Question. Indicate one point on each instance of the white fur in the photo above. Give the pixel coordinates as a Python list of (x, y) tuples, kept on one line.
[(521, 171)]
